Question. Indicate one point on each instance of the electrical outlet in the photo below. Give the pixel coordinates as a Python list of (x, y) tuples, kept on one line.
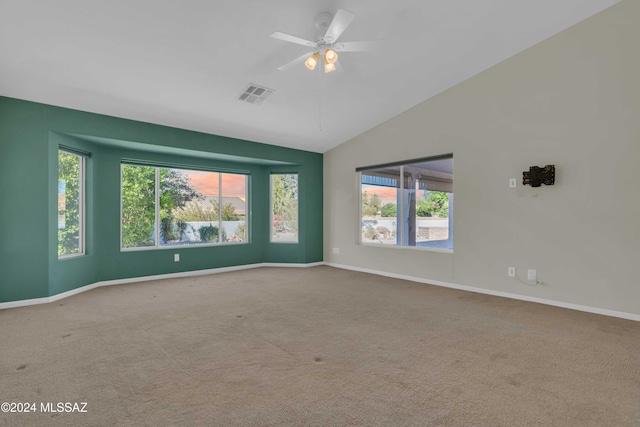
[(512, 183), (336, 251), (531, 275), (176, 257), (511, 272)]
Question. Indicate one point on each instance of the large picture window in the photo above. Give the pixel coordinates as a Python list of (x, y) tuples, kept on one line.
[(71, 205), (284, 208), (408, 204), (164, 207)]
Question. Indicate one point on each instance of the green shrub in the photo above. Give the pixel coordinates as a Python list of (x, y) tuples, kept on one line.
[(435, 203), (425, 208), (389, 210), (208, 233)]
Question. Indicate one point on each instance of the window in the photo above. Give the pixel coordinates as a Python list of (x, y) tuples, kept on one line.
[(167, 207), (138, 206), (408, 203), (71, 206), (284, 208)]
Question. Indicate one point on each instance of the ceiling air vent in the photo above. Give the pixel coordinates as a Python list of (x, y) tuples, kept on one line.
[(255, 94)]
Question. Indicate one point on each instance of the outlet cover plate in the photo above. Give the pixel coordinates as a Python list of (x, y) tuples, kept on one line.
[(531, 275)]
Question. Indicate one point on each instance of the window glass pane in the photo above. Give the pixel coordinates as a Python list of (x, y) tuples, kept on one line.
[(191, 207), (187, 210), (138, 206), (379, 205), (234, 207), (284, 208), (70, 207), (428, 194)]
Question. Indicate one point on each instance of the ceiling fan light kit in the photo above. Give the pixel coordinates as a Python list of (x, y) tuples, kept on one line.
[(330, 56), (312, 61), (325, 48), (329, 68)]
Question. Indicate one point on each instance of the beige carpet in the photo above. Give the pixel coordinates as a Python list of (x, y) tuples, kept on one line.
[(316, 346)]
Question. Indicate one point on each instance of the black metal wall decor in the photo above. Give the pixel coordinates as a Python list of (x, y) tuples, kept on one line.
[(537, 176)]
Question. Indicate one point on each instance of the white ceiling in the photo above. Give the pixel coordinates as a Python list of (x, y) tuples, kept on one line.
[(185, 63)]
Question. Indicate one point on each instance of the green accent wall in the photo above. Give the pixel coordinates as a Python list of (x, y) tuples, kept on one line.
[(30, 134)]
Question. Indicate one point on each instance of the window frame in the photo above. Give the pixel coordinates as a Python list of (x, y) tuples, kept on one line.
[(157, 245), (82, 206), (401, 205)]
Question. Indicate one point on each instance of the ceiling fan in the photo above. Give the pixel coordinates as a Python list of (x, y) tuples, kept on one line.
[(326, 47)]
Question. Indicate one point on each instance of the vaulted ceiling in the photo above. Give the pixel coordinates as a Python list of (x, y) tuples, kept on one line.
[(185, 63)]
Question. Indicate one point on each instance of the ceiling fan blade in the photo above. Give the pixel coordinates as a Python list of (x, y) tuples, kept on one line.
[(293, 39), (340, 23), (363, 46), (296, 61)]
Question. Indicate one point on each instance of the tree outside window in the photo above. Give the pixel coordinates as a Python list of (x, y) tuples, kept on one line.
[(70, 204), (284, 208)]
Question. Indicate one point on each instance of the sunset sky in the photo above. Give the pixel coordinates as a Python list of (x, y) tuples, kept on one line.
[(206, 183), (386, 194), (234, 185)]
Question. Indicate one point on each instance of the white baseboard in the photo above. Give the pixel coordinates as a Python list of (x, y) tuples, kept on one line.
[(588, 309), (57, 297), (24, 302), (284, 264)]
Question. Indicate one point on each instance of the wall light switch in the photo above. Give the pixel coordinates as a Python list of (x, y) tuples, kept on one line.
[(176, 257), (512, 183), (336, 250), (511, 272)]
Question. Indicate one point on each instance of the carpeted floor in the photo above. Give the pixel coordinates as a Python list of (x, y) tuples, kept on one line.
[(315, 346)]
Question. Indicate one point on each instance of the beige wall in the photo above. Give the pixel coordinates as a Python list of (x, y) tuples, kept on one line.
[(573, 101)]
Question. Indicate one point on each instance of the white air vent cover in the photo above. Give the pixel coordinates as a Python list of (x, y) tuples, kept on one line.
[(255, 94)]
